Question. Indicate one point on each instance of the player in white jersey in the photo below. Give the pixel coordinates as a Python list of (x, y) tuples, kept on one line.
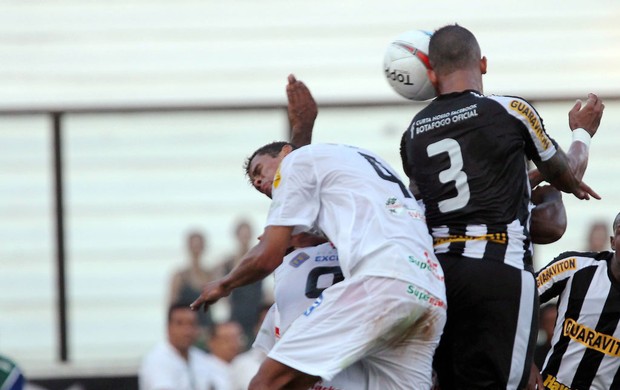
[(299, 280), (389, 311)]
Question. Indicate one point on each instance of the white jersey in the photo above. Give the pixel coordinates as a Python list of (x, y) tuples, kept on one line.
[(299, 280), (357, 200)]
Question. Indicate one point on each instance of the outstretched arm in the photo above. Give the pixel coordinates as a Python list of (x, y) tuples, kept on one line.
[(583, 120), (302, 111), (259, 262)]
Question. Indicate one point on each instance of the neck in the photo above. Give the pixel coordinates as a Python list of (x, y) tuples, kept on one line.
[(184, 353), (459, 81)]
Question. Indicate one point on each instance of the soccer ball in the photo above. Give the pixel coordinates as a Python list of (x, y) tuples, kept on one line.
[(405, 64)]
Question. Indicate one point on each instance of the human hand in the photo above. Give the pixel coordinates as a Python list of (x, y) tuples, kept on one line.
[(211, 293), (302, 109), (584, 192), (586, 116)]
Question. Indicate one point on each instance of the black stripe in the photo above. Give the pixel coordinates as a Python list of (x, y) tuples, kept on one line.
[(580, 284), (616, 382), (496, 250), (458, 247)]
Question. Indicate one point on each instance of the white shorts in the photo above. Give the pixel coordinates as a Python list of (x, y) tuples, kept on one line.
[(390, 326)]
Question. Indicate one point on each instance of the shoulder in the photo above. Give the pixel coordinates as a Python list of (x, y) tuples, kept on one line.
[(159, 356), (515, 105), (566, 264)]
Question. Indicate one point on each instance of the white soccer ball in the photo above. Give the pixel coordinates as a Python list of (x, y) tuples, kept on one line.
[(405, 63)]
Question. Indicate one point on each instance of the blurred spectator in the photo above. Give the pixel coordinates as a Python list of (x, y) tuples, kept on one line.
[(225, 341), (246, 364), (11, 377), (598, 237), (547, 316), (245, 301), (188, 282), (175, 364)]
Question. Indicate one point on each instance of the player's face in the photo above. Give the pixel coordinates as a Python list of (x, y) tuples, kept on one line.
[(262, 171), (228, 341), (183, 328), (615, 238)]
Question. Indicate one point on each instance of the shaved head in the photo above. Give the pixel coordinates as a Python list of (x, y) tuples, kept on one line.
[(453, 48)]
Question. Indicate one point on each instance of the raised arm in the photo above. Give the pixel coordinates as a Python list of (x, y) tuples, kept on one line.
[(302, 111), (583, 120)]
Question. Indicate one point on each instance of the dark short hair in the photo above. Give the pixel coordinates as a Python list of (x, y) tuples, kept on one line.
[(272, 149), (176, 306), (453, 48), (616, 223)]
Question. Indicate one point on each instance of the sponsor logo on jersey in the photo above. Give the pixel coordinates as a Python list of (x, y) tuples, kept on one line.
[(299, 259), (427, 264), (499, 238), (556, 269), (277, 178), (425, 296), (440, 120), (526, 111), (552, 383), (395, 207), (314, 305), (322, 258), (592, 339)]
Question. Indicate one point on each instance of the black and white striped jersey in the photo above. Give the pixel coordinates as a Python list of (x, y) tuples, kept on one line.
[(467, 153), (585, 348)]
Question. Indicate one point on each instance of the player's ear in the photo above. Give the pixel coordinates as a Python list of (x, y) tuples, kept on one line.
[(611, 242), (286, 149), (432, 76), (483, 65)]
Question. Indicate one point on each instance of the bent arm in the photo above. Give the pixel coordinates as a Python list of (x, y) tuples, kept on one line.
[(259, 262), (558, 172)]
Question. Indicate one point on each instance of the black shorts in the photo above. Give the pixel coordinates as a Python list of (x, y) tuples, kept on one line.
[(492, 324)]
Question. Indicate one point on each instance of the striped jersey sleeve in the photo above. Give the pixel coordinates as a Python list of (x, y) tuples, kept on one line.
[(528, 116), (551, 279), (585, 347)]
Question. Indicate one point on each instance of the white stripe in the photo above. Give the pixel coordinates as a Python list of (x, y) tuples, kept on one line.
[(514, 249), (522, 336), (475, 248), (441, 232)]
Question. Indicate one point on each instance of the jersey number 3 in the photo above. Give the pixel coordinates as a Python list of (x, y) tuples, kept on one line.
[(453, 174)]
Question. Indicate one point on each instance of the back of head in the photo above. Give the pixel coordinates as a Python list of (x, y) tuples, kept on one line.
[(453, 48)]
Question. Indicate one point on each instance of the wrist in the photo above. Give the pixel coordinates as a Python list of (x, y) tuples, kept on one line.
[(582, 135)]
